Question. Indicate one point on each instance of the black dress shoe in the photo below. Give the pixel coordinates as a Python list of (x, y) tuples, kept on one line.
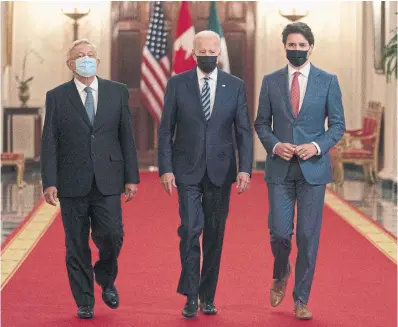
[(208, 308), (85, 312), (191, 309), (110, 297)]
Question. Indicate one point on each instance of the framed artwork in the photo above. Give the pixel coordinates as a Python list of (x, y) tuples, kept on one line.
[(379, 35)]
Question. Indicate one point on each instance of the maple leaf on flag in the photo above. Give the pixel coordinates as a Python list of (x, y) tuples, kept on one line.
[(180, 61)]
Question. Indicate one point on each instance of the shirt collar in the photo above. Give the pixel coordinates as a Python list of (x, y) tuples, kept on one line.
[(213, 74), (304, 70), (80, 86)]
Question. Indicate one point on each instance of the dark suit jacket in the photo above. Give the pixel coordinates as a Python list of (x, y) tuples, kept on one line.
[(199, 144), (276, 123), (73, 151)]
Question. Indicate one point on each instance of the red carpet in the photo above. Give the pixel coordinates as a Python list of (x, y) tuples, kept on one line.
[(355, 284)]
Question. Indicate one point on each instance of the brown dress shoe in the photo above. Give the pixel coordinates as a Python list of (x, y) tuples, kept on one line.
[(302, 312), (278, 289)]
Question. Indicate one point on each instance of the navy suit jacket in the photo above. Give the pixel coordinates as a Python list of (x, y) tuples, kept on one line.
[(276, 123), (189, 145), (74, 152)]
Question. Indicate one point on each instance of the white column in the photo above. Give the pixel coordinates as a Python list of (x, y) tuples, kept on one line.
[(389, 101)]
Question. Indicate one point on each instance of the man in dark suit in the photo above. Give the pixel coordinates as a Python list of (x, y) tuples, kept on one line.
[(88, 159), (294, 103), (201, 108)]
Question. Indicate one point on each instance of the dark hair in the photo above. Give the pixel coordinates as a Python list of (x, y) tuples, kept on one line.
[(298, 28)]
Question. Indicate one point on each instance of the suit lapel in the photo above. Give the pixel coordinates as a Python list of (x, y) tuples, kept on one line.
[(312, 86), (193, 90), (221, 93), (77, 102), (283, 83), (103, 98)]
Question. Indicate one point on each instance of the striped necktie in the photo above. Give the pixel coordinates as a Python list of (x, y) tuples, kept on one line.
[(89, 104), (206, 98)]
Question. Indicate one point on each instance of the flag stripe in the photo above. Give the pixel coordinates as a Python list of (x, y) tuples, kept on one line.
[(155, 65), (165, 65), (156, 73), (154, 88), (154, 106)]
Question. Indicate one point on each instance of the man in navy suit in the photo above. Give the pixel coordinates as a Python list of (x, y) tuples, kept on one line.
[(294, 103), (197, 155), (88, 159)]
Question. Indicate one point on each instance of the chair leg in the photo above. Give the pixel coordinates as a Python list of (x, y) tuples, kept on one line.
[(371, 173), (365, 168), (340, 173), (20, 174)]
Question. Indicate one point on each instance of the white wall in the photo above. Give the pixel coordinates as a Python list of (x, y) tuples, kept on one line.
[(2, 60), (337, 27), (377, 89), (42, 26)]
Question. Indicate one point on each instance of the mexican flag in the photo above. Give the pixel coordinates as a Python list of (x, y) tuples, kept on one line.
[(215, 26)]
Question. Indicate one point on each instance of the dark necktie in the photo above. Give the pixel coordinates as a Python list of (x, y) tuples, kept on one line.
[(89, 104)]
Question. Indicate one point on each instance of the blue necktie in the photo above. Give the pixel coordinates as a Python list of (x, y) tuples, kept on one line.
[(89, 104), (206, 98)]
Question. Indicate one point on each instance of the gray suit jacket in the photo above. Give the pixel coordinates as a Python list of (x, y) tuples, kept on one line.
[(276, 123)]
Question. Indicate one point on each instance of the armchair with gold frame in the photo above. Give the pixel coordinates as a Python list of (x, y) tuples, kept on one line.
[(361, 147)]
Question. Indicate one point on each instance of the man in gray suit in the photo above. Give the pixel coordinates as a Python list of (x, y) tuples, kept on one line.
[(197, 155), (294, 103)]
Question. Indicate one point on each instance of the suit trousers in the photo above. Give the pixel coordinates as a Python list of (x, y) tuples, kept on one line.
[(104, 215), (282, 200), (203, 207)]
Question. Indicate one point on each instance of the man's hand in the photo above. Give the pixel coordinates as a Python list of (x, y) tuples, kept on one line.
[(243, 182), (129, 191), (306, 151), (285, 150), (168, 181), (51, 195)]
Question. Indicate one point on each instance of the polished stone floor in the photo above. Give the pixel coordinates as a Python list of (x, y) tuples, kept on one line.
[(379, 203), (17, 203)]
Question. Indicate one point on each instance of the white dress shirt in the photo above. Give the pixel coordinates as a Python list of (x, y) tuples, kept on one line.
[(83, 95), (212, 84), (303, 81)]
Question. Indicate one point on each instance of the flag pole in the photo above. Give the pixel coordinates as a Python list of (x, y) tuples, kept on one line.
[(155, 134)]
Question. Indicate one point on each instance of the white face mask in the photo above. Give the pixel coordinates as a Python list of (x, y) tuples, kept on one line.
[(86, 66)]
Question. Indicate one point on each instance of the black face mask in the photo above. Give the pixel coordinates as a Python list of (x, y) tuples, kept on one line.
[(207, 63), (297, 57)]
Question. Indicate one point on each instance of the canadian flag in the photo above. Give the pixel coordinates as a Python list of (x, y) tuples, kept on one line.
[(183, 59)]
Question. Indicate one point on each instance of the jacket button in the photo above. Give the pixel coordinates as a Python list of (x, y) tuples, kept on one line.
[(92, 136)]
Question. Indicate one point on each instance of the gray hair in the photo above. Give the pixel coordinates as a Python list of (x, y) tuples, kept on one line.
[(206, 33), (78, 42)]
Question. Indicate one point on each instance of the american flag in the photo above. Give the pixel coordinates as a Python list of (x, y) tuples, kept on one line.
[(155, 67)]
